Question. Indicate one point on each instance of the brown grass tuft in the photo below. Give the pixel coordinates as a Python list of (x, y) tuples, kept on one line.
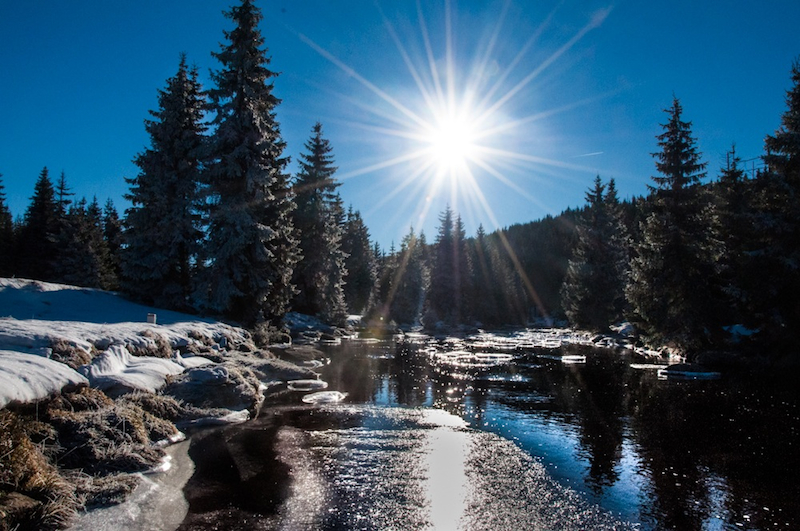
[(41, 495), (159, 349), (69, 353)]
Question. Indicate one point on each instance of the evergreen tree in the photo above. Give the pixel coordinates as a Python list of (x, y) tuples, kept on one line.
[(483, 280), (409, 281), (162, 226), (83, 254), (319, 275), (112, 233), (386, 265), (63, 194), (620, 249), (360, 264), (251, 248), (595, 279), (6, 235), (733, 230), (776, 252), (38, 232), (450, 273), (443, 300), (670, 292), (105, 279)]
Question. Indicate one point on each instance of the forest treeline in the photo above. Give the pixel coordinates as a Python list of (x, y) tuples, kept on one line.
[(216, 225)]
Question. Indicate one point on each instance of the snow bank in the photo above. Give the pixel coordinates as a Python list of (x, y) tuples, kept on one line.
[(32, 299), (117, 371), (27, 377), (34, 315)]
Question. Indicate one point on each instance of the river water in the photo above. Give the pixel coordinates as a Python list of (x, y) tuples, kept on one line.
[(535, 444)]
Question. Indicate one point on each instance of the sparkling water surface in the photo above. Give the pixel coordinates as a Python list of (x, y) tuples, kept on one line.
[(533, 444)]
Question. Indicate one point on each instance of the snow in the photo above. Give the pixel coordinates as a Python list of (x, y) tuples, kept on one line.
[(32, 299), (27, 377), (105, 327), (117, 370)]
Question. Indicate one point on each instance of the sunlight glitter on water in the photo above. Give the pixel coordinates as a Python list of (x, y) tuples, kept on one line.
[(447, 480)]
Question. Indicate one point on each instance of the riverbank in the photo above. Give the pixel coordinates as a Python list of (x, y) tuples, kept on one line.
[(95, 388)]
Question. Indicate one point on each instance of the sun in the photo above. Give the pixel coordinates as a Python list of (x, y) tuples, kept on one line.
[(451, 143)]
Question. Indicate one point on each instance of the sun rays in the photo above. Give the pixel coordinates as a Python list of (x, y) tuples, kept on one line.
[(460, 127), (463, 120)]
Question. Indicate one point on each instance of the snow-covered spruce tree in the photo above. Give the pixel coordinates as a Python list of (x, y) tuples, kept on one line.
[(162, 226), (251, 249), (777, 221), (671, 289), (594, 285), (6, 235), (37, 235), (319, 275), (360, 264)]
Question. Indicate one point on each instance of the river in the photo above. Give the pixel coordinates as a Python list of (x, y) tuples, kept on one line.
[(534, 444)]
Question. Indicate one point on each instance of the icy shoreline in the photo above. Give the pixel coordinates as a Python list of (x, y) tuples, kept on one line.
[(157, 502), (90, 386)]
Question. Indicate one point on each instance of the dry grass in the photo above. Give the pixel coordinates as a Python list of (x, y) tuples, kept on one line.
[(160, 347), (109, 440), (32, 492), (83, 399), (69, 353)]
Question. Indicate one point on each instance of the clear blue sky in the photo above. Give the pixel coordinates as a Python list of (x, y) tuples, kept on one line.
[(567, 90)]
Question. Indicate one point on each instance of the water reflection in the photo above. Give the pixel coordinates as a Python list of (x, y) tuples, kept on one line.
[(533, 445), (667, 455)]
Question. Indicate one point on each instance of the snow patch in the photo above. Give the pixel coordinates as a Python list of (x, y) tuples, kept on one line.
[(116, 370), (27, 377)]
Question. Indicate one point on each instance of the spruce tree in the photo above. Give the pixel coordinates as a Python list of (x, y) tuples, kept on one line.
[(105, 279), (386, 265), (672, 300), (319, 275), (251, 247), (449, 295), (777, 253), (162, 226), (112, 233), (595, 281), (409, 281), (483, 280), (75, 264), (360, 264), (6, 235), (83, 254), (37, 235), (733, 229), (63, 194), (444, 300)]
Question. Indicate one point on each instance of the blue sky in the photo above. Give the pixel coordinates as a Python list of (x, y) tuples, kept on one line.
[(548, 93)]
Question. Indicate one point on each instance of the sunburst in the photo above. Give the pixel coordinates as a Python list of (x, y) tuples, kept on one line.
[(461, 128)]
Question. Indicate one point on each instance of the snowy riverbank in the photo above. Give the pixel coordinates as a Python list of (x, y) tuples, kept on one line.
[(91, 385)]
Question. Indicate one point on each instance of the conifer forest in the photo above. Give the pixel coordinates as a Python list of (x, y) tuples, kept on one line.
[(707, 260)]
